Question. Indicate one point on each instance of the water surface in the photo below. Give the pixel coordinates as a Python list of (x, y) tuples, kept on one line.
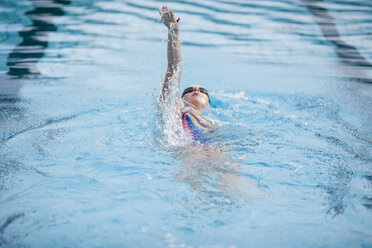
[(83, 162)]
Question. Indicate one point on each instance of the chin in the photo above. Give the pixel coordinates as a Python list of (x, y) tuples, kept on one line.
[(197, 102)]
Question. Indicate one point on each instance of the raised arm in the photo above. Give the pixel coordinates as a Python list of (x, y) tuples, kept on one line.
[(174, 69)]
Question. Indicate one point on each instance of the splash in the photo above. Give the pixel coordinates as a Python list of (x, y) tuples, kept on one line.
[(209, 170), (168, 131)]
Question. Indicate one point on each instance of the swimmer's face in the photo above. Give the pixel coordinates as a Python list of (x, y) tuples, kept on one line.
[(198, 99)]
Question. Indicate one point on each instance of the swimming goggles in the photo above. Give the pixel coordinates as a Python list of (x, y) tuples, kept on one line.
[(191, 89)]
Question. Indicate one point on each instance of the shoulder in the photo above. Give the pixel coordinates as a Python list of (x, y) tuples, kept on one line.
[(180, 103)]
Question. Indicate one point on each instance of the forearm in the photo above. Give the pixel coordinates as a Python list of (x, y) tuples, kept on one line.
[(174, 49), (174, 69)]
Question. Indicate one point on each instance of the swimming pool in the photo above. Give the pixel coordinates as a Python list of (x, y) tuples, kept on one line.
[(84, 164)]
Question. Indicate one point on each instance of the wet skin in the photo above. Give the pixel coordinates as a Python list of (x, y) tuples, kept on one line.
[(197, 99)]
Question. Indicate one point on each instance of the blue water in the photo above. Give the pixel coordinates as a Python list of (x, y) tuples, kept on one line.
[(84, 161)]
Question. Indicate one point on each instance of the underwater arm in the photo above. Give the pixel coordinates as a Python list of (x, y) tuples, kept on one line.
[(174, 69)]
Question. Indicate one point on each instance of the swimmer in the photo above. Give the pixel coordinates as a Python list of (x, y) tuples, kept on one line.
[(204, 161), (194, 98)]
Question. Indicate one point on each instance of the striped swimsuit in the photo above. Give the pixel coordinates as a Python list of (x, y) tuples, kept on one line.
[(196, 124)]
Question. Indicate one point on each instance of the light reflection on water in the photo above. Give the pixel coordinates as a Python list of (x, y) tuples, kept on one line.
[(80, 164)]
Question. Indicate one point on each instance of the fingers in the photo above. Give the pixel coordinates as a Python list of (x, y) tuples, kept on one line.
[(163, 10), (167, 16), (171, 15)]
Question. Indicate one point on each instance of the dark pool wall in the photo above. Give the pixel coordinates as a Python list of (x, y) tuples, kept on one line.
[(24, 57), (347, 54)]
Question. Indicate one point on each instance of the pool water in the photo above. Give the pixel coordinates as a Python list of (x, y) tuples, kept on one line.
[(86, 162)]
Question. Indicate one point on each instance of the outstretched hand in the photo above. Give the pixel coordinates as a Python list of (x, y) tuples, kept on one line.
[(167, 16)]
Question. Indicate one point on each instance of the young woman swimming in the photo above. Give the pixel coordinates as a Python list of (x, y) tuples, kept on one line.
[(201, 166), (194, 98)]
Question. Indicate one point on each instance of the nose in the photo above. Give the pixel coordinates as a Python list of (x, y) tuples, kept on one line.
[(196, 89)]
